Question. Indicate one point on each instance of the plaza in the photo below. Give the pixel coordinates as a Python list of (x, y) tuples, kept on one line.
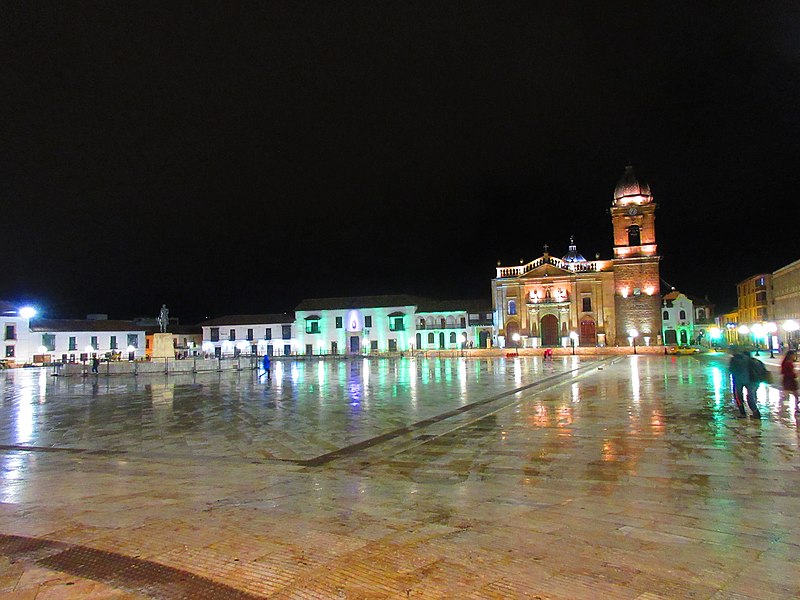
[(507, 477)]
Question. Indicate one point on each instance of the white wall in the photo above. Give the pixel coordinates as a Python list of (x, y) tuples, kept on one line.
[(240, 341)]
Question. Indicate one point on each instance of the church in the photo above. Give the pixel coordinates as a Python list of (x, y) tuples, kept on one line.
[(553, 301)]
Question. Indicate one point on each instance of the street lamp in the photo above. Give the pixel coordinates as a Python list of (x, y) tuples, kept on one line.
[(515, 337), (757, 330), (769, 329), (743, 330), (714, 333), (573, 338), (790, 327), (633, 335)]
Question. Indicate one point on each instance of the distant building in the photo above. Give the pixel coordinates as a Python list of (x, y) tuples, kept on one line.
[(602, 301), (754, 297), (786, 306), (231, 335), (677, 318), (28, 340)]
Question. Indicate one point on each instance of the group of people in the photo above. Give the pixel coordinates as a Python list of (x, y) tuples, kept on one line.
[(747, 373)]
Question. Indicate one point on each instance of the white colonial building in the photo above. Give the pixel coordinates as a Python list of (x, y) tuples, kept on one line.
[(231, 335), (29, 340), (677, 319), (390, 323)]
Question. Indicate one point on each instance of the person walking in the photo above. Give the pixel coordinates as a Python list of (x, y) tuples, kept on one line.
[(740, 377), (95, 364), (267, 365), (788, 376), (758, 375)]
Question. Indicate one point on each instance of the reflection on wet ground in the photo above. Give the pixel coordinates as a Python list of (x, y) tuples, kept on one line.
[(488, 478)]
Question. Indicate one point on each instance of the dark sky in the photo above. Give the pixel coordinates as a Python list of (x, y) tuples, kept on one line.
[(236, 158)]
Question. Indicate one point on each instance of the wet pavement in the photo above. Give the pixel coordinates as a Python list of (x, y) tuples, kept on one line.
[(627, 477)]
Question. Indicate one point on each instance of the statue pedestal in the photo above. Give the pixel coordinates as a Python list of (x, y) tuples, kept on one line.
[(162, 346)]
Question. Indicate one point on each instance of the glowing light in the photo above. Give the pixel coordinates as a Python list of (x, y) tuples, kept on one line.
[(791, 326), (624, 292), (41, 350), (241, 346), (715, 333), (27, 312), (633, 333), (649, 290), (515, 337), (88, 349), (573, 335), (743, 329), (207, 347)]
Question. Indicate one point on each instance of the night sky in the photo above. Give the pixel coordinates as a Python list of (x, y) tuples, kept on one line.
[(236, 158)]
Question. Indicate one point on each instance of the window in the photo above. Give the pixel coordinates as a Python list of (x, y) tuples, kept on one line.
[(312, 325), (249, 335), (113, 342), (452, 337), (338, 322), (682, 315), (367, 321), (396, 324), (587, 304), (666, 315), (443, 323), (512, 307), (634, 236), (9, 351), (11, 332), (232, 335), (463, 322), (94, 343), (215, 334), (701, 314), (373, 345), (73, 343), (133, 339), (268, 333), (287, 349), (286, 334), (431, 338), (49, 341), (421, 324)]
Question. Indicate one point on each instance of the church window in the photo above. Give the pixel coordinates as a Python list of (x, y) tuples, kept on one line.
[(430, 338), (666, 315), (587, 304), (512, 307), (637, 291), (453, 337), (682, 315), (634, 236)]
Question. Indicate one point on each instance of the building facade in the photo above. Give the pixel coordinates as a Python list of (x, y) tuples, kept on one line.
[(231, 335), (548, 301), (754, 297), (677, 319), (786, 302)]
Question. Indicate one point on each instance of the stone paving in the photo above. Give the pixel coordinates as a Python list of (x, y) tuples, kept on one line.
[(627, 477)]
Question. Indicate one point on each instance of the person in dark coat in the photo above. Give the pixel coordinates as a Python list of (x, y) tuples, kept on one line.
[(788, 376), (267, 366), (95, 364), (739, 368)]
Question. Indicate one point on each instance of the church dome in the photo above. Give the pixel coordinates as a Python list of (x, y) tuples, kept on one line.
[(631, 186), (573, 256)]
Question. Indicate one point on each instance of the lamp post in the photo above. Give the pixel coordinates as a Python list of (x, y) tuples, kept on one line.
[(714, 333), (743, 330), (769, 329), (633, 335), (573, 338), (757, 330), (515, 337), (790, 327)]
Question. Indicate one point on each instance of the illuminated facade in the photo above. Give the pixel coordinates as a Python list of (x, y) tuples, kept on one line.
[(599, 301), (677, 319), (394, 323), (786, 307), (231, 335), (754, 296), (29, 340)]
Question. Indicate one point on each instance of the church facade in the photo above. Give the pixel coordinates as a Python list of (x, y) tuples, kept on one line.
[(553, 301)]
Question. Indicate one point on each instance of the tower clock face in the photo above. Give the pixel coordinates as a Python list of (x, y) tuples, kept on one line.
[(632, 211)]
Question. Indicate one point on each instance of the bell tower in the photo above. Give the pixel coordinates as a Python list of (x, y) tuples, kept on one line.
[(637, 297)]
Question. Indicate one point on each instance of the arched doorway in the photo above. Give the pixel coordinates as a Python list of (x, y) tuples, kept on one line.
[(670, 337), (549, 330), (441, 340), (483, 336), (511, 329), (419, 341), (588, 334)]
